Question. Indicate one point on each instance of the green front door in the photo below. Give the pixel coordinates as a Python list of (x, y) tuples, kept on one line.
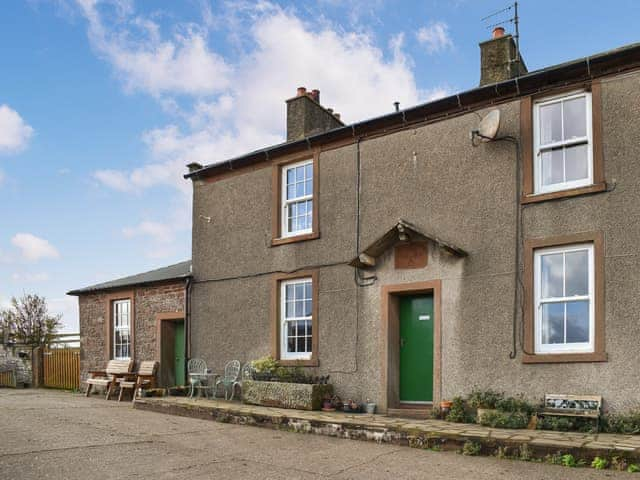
[(178, 364), (416, 349)]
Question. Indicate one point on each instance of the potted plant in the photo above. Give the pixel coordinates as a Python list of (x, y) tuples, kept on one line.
[(370, 407), (327, 404), (445, 408)]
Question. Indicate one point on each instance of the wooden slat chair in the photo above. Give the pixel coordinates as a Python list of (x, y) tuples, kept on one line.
[(107, 378), (144, 378)]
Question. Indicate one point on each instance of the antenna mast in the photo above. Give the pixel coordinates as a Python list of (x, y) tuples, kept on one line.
[(515, 20)]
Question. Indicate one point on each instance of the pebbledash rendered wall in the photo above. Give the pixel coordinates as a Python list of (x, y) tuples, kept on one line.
[(462, 194), (148, 302)]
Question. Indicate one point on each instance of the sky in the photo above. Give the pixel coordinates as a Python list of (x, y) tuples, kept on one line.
[(103, 103)]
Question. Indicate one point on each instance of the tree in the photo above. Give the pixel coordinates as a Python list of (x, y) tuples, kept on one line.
[(28, 321)]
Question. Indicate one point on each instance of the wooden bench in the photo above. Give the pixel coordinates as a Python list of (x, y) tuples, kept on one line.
[(144, 378), (585, 406), (109, 377)]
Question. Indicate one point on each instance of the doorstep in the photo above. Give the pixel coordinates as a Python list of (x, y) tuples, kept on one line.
[(418, 433)]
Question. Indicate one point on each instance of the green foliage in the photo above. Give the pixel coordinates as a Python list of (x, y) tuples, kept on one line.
[(502, 453), (515, 404), (471, 448), (633, 468), (566, 424), (568, 460), (458, 412), (626, 423), (484, 398), (27, 321), (265, 365), (599, 463), (505, 419)]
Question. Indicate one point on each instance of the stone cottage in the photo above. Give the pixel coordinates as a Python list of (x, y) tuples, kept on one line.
[(143, 316)]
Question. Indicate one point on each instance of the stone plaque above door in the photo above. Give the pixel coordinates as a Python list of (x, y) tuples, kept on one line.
[(411, 255)]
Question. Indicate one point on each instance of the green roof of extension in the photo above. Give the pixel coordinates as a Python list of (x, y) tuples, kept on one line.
[(172, 272)]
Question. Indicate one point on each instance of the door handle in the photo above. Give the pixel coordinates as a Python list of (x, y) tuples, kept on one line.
[(402, 342)]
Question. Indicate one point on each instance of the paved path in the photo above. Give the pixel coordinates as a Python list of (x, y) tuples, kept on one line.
[(56, 435)]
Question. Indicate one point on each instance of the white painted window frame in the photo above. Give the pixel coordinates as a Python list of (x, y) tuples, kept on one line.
[(121, 328), (583, 347), (286, 203), (538, 149), (284, 355)]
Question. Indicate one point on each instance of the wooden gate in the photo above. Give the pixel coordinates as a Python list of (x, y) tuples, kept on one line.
[(62, 368)]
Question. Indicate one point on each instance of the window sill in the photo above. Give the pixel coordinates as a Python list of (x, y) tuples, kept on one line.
[(298, 238), (543, 197), (565, 357), (311, 362)]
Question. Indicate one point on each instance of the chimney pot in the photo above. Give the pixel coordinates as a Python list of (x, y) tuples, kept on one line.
[(315, 94), (301, 91), (330, 110), (498, 32)]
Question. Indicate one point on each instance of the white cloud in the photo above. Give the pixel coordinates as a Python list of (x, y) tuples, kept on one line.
[(34, 248), (146, 62), (14, 132), (244, 109), (435, 37)]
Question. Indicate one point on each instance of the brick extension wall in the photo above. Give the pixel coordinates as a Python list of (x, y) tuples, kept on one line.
[(149, 301)]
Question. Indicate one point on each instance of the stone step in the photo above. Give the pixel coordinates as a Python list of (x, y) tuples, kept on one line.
[(419, 413)]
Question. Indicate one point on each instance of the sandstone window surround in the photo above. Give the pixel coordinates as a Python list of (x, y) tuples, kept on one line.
[(112, 324), (561, 136), (291, 344), (295, 199), (558, 291)]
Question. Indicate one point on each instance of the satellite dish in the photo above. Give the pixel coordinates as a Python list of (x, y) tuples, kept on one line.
[(489, 125)]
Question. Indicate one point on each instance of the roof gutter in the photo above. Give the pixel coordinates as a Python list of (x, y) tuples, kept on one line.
[(613, 61)]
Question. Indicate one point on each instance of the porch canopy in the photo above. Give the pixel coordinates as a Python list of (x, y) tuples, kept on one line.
[(402, 231)]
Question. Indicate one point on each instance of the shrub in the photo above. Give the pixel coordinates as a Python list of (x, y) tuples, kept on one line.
[(627, 423), (599, 463), (566, 424), (633, 468), (471, 448), (505, 419), (458, 412), (265, 365), (515, 404), (484, 398)]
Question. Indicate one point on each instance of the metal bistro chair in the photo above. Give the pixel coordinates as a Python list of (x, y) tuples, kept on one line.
[(231, 372), (245, 374), (196, 368)]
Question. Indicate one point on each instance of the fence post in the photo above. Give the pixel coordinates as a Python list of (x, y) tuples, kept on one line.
[(37, 367)]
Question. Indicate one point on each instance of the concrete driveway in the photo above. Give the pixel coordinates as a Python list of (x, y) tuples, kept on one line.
[(58, 435)]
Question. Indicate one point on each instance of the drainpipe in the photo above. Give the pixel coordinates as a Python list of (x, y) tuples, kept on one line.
[(187, 319)]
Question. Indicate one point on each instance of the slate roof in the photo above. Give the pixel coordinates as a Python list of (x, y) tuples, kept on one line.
[(172, 272), (583, 69)]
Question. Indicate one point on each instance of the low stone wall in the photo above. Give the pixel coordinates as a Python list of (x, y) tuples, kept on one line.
[(11, 360), (285, 395)]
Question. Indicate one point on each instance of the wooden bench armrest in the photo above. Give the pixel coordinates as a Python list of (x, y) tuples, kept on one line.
[(146, 376), (97, 372)]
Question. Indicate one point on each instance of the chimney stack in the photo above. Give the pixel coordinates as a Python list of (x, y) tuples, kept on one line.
[(306, 117), (499, 58)]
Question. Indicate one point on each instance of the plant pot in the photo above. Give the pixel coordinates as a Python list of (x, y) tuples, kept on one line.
[(370, 408), (445, 408)]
